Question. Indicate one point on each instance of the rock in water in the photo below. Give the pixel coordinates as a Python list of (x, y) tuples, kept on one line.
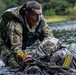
[(2, 63)]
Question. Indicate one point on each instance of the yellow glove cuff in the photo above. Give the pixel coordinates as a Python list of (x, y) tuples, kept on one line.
[(21, 54)]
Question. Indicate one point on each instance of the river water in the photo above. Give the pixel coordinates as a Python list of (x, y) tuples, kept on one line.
[(65, 31)]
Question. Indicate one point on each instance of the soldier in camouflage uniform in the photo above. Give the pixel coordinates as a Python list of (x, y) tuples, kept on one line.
[(25, 25), (59, 54)]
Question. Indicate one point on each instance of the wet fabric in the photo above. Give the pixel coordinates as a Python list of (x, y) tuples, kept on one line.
[(60, 56), (48, 46), (58, 53)]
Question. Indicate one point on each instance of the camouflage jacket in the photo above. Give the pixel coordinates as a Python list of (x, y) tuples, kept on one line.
[(15, 31)]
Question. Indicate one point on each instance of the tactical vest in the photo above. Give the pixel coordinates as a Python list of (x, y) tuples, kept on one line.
[(28, 37)]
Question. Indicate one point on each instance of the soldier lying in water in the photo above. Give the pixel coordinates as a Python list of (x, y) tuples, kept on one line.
[(59, 55)]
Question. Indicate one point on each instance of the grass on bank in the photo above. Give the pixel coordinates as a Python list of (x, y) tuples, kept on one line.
[(56, 18)]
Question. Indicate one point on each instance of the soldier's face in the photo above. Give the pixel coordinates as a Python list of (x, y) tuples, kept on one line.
[(34, 17)]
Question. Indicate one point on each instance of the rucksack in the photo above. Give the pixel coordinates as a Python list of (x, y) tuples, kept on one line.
[(7, 16)]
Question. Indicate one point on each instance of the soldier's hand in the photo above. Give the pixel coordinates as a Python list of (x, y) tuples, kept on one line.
[(28, 59)]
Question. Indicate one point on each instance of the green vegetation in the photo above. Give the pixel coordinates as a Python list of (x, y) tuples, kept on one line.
[(56, 18), (53, 10)]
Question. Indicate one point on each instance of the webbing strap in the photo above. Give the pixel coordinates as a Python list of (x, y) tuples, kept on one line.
[(67, 60)]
